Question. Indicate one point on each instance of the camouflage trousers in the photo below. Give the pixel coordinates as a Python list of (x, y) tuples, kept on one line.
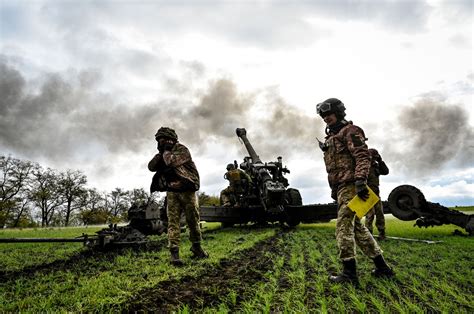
[(177, 203), (227, 196), (350, 231), (377, 213)]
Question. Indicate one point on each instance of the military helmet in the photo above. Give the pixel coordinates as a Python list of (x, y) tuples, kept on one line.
[(230, 167), (331, 105), (165, 132)]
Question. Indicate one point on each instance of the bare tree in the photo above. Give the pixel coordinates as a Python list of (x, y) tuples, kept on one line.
[(22, 211), (95, 210), (14, 181), (118, 203), (45, 194), (137, 196), (72, 188)]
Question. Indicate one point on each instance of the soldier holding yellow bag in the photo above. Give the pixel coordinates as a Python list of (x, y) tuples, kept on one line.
[(347, 160)]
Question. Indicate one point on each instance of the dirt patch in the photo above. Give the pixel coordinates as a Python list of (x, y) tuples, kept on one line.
[(88, 261), (214, 284)]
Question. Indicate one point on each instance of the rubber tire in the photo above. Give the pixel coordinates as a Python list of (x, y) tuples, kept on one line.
[(409, 195), (293, 197)]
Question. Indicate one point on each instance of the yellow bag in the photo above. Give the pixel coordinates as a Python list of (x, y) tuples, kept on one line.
[(361, 207)]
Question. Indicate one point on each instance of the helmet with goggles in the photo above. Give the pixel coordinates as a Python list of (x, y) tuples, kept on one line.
[(329, 106)]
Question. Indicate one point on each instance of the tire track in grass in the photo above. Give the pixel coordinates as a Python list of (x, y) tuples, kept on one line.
[(214, 285), (292, 283)]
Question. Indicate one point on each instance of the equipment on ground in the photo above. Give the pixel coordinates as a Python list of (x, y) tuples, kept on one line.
[(406, 202), (145, 219)]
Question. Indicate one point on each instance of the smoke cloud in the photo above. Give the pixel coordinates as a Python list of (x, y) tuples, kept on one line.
[(59, 119), (69, 120), (434, 133)]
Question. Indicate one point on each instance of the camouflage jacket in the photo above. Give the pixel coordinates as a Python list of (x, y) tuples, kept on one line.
[(377, 168), (347, 157), (236, 178), (175, 171)]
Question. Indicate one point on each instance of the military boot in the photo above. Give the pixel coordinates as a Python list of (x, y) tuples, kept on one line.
[(174, 259), (197, 251), (349, 273), (381, 268), (382, 235)]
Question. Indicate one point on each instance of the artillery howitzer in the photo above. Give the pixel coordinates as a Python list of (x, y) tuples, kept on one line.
[(266, 199), (270, 200), (145, 219)]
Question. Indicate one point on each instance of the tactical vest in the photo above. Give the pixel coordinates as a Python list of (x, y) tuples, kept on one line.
[(340, 164), (235, 179)]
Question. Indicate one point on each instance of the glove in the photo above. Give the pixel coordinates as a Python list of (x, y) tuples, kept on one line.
[(168, 146), (362, 190)]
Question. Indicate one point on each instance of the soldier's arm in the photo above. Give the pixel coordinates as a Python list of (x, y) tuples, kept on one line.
[(246, 175), (178, 156), (383, 169), (154, 162), (355, 138)]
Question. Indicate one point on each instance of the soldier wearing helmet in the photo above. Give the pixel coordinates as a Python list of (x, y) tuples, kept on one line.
[(238, 182), (347, 160), (176, 174), (377, 168)]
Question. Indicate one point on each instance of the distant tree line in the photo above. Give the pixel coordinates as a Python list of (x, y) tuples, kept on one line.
[(31, 195)]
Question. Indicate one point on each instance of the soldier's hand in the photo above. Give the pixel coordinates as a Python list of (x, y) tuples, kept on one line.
[(168, 145), (362, 190), (161, 148)]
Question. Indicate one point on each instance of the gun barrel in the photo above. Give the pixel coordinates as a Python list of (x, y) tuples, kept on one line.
[(242, 133), (44, 240)]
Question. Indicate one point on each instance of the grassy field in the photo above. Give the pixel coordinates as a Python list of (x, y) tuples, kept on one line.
[(464, 208), (250, 270)]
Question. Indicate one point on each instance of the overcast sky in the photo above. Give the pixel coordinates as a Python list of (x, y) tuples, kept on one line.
[(86, 84)]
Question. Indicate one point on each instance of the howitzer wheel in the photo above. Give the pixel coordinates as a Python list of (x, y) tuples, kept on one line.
[(293, 197), (404, 199)]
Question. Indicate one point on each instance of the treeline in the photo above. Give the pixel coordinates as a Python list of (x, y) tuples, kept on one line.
[(31, 195)]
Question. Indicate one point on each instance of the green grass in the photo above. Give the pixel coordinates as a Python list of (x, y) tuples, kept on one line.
[(104, 282), (464, 208), (430, 277), (17, 256)]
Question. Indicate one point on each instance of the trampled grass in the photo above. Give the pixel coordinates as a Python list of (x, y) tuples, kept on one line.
[(287, 274)]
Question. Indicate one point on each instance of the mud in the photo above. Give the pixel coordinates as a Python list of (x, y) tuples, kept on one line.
[(213, 285)]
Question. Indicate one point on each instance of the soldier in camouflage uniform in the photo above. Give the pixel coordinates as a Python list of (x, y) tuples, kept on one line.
[(176, 174), (238, 182), (377, 168), (347, 160)]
